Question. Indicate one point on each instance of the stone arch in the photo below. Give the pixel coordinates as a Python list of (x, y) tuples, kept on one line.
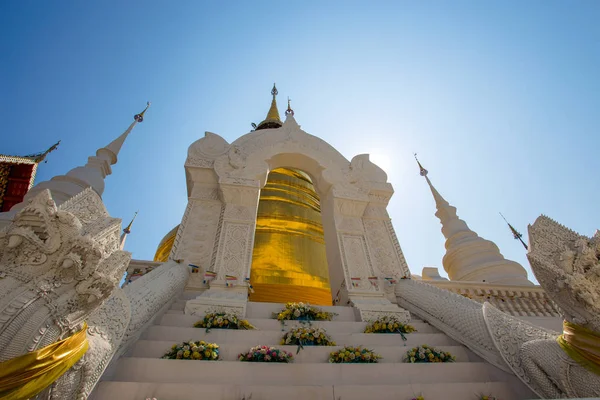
[(360, 242)]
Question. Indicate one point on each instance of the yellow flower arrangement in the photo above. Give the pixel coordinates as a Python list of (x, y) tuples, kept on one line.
[(487, 397), (303, 312), (223, 320), (350, 354), (424, 353), (302, 336), (389, 324), (200, 350)]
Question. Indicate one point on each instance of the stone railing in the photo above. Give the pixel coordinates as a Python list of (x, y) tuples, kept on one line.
[(520, 301)]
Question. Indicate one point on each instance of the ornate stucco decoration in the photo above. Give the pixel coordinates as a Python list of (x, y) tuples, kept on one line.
[(58, 265)]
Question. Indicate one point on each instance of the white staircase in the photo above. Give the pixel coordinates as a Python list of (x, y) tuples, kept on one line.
[(142, 374)]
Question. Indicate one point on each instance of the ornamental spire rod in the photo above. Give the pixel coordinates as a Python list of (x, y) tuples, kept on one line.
[(289, 111), (115, 146), (128, 227), (516, 234), (127, 231), (422, 170)]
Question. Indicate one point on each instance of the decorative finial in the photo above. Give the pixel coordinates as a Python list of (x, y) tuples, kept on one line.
[(127, 229), (39, 157), (289, 110), (518, 236), (422, 170), (274, 91), (272, 121), (140, 117)]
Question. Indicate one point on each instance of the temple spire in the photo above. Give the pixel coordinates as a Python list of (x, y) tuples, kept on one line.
[(127, 231), (469, 257), (440, 202), (115, 146), (518, 236), (273, 120), (289, 112), (92, 174)]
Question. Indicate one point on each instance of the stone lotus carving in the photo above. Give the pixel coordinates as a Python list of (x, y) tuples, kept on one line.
[(58, 266)]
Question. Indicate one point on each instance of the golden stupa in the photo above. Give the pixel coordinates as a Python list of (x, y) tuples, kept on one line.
[(288, 261), (164, 247)]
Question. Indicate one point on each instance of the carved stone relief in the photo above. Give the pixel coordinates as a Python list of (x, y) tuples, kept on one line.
[(356, 262), (236, 252), (234, 212), (384, 253), (199, 233)]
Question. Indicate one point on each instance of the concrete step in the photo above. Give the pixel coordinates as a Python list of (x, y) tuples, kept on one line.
[(178, 312), (273, 325), (190, 294), (310, 354), (192, 391), (178, 305), (254, 337), (266, 310), (136, 369)]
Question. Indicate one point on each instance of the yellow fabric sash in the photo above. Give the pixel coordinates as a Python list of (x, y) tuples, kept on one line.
[(25, 376), (582, 345)]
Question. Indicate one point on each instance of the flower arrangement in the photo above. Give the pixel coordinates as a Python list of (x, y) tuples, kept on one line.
[(302, 336), (424, 353), (266, 354), (223, 320), (389, 324), (193, 351), (487, 397), (303, 312), (350, 354), (419, 397)]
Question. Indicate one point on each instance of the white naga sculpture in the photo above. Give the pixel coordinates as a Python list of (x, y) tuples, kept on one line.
[(553, 366), (58, 265), (567, 265)]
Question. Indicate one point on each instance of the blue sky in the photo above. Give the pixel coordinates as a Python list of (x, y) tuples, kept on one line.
[(500, 100)]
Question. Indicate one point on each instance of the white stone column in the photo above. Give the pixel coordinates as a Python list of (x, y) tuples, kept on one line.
[(357, 261), (197, 233), (232, 255)]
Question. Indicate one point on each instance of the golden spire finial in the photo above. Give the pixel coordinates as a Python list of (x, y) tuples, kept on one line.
[(127, 229), (273, 120), (422, 171), (140, 117), (289, 110)]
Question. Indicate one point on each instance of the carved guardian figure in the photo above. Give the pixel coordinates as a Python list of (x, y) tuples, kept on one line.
[(57, 266), (567, 265)]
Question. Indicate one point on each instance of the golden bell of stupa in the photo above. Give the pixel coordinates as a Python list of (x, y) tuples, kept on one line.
[(289, 261)]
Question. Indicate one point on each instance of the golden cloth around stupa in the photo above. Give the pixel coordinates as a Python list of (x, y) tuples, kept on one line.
[(289, 261)]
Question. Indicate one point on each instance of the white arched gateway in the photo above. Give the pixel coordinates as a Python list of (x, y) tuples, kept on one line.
[(217, 230)]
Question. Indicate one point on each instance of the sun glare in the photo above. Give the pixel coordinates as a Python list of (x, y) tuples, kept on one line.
[(383, 161)]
